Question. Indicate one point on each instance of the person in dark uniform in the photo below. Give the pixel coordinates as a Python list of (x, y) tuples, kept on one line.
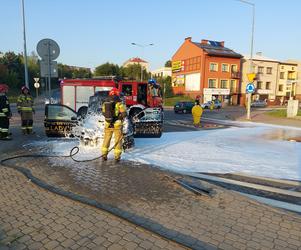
[(26, 110), (5, 113)]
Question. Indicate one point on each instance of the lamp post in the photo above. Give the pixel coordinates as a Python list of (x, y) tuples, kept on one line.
[(24, 42), (251, 70), (142, 46)]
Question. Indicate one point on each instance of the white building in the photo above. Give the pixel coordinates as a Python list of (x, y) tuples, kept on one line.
[(137, 60), (162, 72), (266, 70)]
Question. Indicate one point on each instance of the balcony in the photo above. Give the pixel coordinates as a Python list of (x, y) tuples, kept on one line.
[(235, 75)]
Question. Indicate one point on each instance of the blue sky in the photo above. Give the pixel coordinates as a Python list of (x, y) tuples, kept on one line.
[(92, 32)]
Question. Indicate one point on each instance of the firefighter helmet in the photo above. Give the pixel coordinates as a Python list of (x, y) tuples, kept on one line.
[(3, 88), (152, 81), (24, 88), (114, 91)]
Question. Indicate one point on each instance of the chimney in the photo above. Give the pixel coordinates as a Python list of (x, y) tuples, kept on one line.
[(188, 38), (259, 53), (204, 41), (222, 43)]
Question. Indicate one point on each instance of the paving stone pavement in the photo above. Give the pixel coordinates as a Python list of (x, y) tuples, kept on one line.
[(226, 221), (32, 218)]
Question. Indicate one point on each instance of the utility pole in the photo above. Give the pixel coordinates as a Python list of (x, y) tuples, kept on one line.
[(24, 42), (142, 46), (251, 70)]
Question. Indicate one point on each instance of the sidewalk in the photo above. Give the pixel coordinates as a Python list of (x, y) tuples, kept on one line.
[(32, 218)]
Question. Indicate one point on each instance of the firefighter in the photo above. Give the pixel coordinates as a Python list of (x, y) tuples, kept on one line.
[(26, 110), (5, 113), (114, 112), (197, 112)]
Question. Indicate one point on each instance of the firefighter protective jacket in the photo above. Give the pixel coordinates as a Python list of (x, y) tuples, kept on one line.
[(4, 106), (118, 112), (25, 106)]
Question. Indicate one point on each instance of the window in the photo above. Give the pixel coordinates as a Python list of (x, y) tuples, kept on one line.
[(291, 76), (260, 70), (233, 85), (224, 84), (225, 67), (269, 70), (60, 113), (280, 88), (281, 75), (233, 68), (127, 89), (259, 85), (212, 83), (213, 66), (268, 85), (193, 63)]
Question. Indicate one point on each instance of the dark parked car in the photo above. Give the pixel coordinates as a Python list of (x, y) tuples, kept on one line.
[(259, 104), (183, 107)]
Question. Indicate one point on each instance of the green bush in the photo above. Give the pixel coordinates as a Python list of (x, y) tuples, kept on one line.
[(171, 101)]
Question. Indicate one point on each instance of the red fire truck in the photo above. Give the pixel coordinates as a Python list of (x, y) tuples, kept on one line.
[(75, 93)]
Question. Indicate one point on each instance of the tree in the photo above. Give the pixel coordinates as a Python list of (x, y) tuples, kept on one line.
[(165, 83), (168, 63), (12, 72), (107, 69), (133, 72)]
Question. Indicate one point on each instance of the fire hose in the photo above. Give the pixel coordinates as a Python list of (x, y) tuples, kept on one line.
[(74, 151)]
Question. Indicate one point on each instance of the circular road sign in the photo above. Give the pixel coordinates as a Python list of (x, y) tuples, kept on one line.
[(36, 85), (250, 88), (48, 48)]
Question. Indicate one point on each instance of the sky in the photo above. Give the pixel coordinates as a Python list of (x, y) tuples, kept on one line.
[(92, 32)]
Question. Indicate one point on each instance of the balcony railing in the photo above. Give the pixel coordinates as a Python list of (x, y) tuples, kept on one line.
[(235, 74)]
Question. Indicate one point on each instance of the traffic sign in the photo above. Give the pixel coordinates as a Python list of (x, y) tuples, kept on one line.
[(36, 85), (250, 88), (48, 49), (44, 65), (251, 77), (36, 79)]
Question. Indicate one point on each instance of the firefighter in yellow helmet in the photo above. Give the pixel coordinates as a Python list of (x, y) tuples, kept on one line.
[(114, 112), (26, 110), (197, 112)]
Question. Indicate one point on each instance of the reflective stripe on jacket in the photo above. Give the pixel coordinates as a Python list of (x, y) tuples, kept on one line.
[(25, 103), (4, 106)]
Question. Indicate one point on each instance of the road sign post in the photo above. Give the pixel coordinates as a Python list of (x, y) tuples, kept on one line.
[(36, 85), (48, 50), (250, 88)]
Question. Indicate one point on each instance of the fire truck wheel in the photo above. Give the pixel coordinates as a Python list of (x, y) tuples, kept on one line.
[(82, 112)]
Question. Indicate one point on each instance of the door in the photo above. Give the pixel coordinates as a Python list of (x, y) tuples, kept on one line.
[(59, 120)]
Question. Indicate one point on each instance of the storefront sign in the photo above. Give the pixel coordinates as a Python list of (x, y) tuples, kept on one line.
[(212, 91), (178, 80), (264, 91), (177, 66)]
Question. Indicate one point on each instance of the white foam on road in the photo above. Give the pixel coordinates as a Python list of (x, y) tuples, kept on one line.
[(246, 150), (258, 150)]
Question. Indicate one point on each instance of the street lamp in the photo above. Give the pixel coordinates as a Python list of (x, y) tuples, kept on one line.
[(24, 42), (142, 46), (251, 56)]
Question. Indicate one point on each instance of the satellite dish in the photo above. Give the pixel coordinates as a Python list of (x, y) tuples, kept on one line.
[(48, 49)]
